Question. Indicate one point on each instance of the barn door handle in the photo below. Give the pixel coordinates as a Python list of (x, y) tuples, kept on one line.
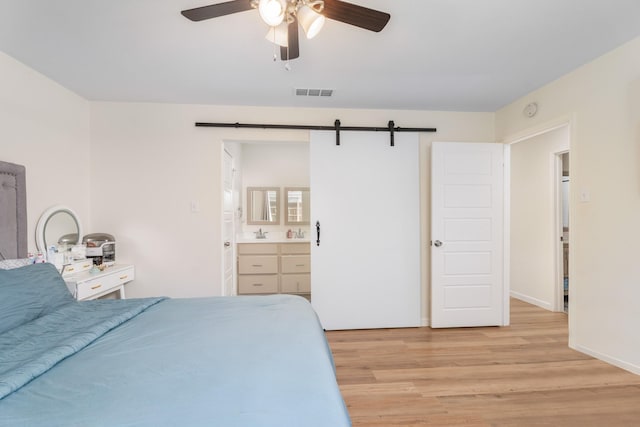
[(318, 232)]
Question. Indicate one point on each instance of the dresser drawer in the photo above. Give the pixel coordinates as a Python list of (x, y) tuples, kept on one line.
[(103, 284), (295, 248), (258, 284), (296, 264), (257, 264), (295, 284), (77, 267), (257, 248)]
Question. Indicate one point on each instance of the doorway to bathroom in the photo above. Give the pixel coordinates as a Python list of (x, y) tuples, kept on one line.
[(270, 199)]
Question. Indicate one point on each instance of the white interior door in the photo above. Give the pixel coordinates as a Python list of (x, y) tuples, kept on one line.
[(365, 194), (228, 226), (467, 286)]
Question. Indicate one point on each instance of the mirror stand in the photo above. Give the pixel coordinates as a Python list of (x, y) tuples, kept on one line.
[(58, 225)]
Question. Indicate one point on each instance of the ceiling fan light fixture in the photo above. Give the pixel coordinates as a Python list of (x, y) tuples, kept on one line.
[(272, 11), (279, 35), (308, 14), (310, 21)]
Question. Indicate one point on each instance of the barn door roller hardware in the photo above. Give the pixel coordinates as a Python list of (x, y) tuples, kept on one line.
[(337, 127)]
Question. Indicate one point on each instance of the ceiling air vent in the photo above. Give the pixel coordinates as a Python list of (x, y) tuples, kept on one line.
[(314, 92)]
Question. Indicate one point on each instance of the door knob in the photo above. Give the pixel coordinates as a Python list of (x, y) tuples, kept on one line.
[(437, 243), (227, 244)]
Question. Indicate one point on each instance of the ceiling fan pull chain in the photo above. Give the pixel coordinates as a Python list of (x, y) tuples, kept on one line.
[(287, 65), (275, 55)]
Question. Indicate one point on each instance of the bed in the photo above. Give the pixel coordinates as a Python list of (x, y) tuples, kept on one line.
[(221, 361), (247, 361), (13, 211)]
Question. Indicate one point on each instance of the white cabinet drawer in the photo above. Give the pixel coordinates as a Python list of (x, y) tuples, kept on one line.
[(77, 267), (295, 283), (257, 264), (104, 283), (296, 264), (258, 284)]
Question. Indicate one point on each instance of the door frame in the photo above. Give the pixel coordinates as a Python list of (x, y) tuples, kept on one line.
[(559, 246), (224, 172), (506, 233), (570, 122)]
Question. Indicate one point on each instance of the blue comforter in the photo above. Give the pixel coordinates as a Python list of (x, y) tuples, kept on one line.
[(30, 350), (225, 361)]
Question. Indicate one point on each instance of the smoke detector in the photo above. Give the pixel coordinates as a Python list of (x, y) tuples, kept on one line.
[(530, 110)]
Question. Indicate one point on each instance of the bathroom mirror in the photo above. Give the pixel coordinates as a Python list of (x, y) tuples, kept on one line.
[(58, 225), (263, 205), (297, 204)]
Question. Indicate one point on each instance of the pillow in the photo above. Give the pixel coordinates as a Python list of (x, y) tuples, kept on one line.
[(8, 264), (29, 292)]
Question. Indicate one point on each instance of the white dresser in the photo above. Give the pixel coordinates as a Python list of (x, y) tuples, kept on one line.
[(85, 285)]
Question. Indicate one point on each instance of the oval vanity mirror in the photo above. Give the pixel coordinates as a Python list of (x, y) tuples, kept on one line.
[(297, 203), (58, 225), (262, 205)]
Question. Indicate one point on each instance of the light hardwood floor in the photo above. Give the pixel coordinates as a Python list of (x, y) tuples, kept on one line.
[(521, 375)]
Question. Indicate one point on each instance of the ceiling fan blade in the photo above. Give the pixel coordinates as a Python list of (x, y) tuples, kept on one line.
[(359, 16), (216, 10), (293, 51)]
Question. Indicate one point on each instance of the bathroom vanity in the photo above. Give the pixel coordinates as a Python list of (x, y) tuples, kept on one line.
[(271, 267)]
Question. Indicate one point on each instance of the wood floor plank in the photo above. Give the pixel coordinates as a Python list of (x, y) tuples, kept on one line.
[(521, 375)]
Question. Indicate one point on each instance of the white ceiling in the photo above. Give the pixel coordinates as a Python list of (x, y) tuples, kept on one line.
[(461, 55)]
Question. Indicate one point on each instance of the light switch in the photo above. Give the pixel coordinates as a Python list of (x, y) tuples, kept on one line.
[(585, 196), (195, 206)]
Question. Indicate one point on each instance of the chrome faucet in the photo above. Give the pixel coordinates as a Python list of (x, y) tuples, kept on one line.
[(260, 234), (300, 234)]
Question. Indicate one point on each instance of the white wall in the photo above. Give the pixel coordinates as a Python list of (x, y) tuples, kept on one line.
[(602, 101), (273, 165), (149, 162), (534, 233), (45, 127)]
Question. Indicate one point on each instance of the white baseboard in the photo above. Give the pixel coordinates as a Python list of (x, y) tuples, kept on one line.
[(531, 300), (635, 369), (424, 321)]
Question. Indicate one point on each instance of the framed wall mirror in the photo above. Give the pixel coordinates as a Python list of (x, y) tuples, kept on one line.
[(297, 205), (58, 225), (263, 205)]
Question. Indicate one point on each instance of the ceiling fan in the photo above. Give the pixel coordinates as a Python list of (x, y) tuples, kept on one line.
[(283, 17)]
